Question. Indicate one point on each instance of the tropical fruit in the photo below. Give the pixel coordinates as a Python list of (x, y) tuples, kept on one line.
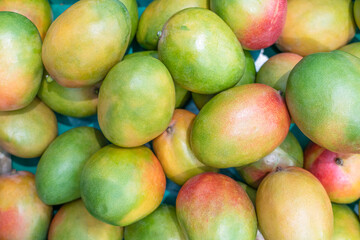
[(161, 224), (357, 12), (214, 206), (132, 8), (316, 26), (338, 173), (291, 204), (346, 223), (172, 148), (73, 102), (22, 214), (21, 67), (39, 12), (251, 192), (156, 14), (223, 133), (120, 186), (289, 153), (257, 24), (136, 101), (352, 48), (28, 132), (73, 221), (86, 41), (59, 169), (192, 42), (323, 97)]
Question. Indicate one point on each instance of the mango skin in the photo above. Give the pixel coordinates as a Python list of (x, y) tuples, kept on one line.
[(132, 7), (192, 42), (291, 204), (357, 12), (22, 214), (59, 169), (129, 112), (257, 24), (27, 132), (85, 41), (173, 150), (120, 186), (251, 192), (352, 48), (223, 133), (161, 224), (346, 223), (21, 66), (156, 14), (73, 102), (316, 26), (323, 97), (214, 206), (73, 221), (39, 12)]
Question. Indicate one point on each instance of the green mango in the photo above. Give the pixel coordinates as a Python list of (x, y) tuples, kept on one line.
[(251, 192), (352, 48), (357, 12), (346, 223), (132, 8)]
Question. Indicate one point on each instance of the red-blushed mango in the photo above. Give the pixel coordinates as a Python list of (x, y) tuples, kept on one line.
[(132, 8), (122, 185), (161, 224), (85, 41), (240, 126), (173, 150), (59, 169), (346, 223), (338, 173), (357, 12), (156, 14), (28, 132), (22, 214), (214, 206), (289, 153), (352, 48), (257, 24), (73, 221), (136, 101), (275, 72), (291, 204), (190, 46), (73, 102), (21, 67), (316, 26), (38, 11), (323, 97)]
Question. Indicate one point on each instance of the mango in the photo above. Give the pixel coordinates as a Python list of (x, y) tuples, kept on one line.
[(85, 41), (132, 8), (346, 223), (73, 221), (323, 97), (136, 101), (352, 48), (190, 46), (291, 204), (251, 192), (21, 67), (357, 12), (28, 132), (120, 186)]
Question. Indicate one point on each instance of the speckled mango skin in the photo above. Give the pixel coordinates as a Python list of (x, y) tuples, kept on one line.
[(85, 41), (162, 224), (173, 150), (289, 153), (73, 102), (257, 24), (190, 46), (291, 204), (122, 185), (22, 214), (214, 206), (240, 126), (323, 97), (28, 132), (136, 101), (357, 12), (346, 223), (317, 26), (352, 48), (38, 11), (59, 169), (21, 67), (340, 180), (156, 14), (132, 7), (73, 221)]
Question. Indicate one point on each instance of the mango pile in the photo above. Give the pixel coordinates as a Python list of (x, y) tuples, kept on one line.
[(179, 120)]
